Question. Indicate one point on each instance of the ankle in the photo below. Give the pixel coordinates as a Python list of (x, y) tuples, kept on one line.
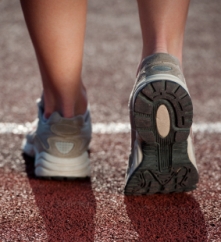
[(80, 106), (67, 106)]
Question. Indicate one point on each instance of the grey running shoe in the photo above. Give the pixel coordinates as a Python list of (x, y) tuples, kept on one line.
[(162, 156), (60, 145)]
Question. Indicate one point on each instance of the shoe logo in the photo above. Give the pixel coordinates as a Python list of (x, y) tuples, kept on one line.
[(161, 68), (64, 147)]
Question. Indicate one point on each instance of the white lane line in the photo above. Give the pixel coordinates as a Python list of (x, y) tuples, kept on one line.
[(106, 128)]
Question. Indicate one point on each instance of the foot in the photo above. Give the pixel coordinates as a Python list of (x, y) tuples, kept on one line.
[(162, 156), (60, 145)]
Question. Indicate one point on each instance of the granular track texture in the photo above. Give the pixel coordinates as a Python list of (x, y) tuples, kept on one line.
[(165, 166), (39, 210)]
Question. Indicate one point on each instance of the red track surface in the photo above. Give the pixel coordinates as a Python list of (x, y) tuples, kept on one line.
[(96, 209)]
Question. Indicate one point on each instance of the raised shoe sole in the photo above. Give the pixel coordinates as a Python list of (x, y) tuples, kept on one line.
[(161, 116), (49, 166)]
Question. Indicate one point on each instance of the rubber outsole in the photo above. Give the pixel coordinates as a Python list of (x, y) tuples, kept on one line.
[(165, 166)]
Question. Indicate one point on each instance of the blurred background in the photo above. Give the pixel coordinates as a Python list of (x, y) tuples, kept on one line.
[(112, 52)]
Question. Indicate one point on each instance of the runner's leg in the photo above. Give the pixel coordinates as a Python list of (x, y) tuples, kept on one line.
[(57, 29), (163, 25)]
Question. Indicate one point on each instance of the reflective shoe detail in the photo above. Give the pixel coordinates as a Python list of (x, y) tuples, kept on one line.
[(161, 117), (64, 147), (60, 145)]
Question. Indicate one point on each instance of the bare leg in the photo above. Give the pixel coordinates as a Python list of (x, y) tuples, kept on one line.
[(57, 29), (163, 24)]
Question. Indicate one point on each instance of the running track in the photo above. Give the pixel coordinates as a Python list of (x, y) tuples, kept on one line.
[(96, 209)]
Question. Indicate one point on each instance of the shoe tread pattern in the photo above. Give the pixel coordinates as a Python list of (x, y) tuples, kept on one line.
[(165, 166)]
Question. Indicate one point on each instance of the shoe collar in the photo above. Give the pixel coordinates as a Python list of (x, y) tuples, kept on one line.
[(56, 117)]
